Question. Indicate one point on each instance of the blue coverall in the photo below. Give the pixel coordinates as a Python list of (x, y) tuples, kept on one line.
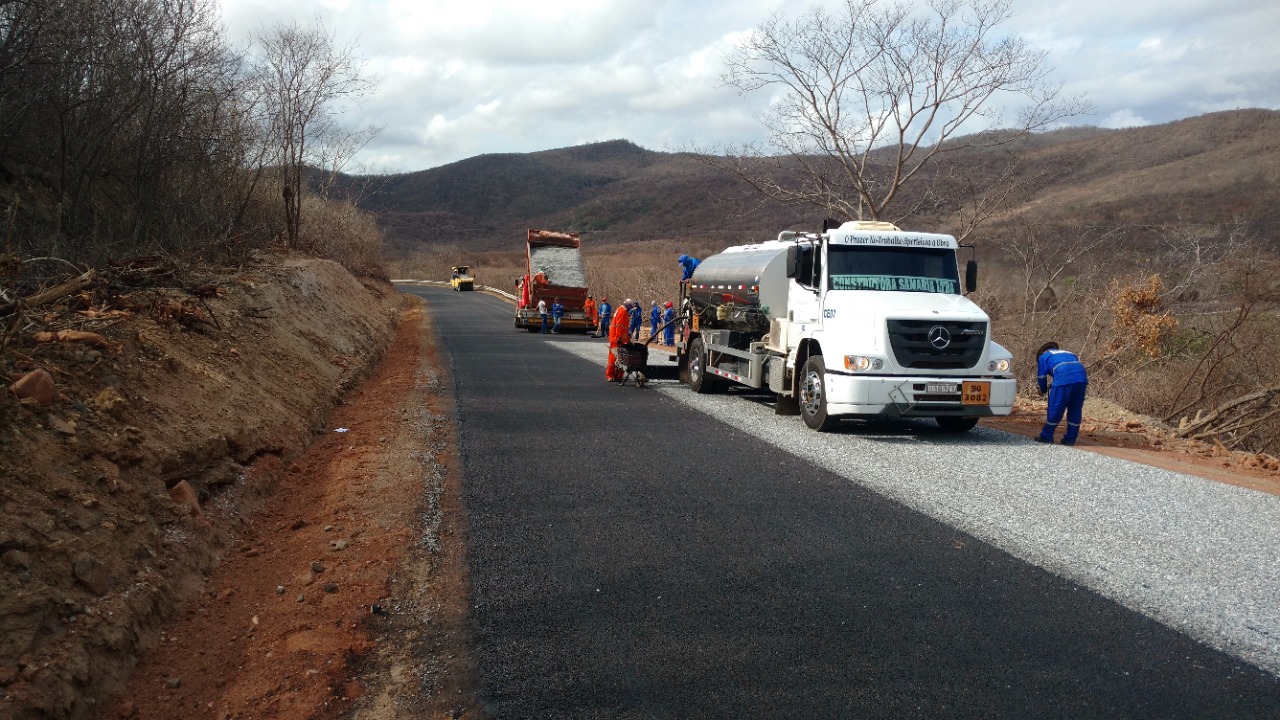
[(606, 314), (669, 332), (689, 264), (557, 312), (655, 317), (1065, 395), (636, 318)]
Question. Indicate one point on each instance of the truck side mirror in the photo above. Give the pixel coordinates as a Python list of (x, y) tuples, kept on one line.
[(793, 261), (971, 276)]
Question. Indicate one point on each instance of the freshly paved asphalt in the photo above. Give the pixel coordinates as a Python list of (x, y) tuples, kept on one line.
[(632, 559)]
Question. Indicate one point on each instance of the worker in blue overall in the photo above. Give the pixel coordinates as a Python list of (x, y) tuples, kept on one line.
[(669, 332), (1066, 394), (689, 264), (637, 319), (655, 318), (606, 316)]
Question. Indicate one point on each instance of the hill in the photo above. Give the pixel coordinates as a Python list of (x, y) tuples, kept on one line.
[(1217, 168)]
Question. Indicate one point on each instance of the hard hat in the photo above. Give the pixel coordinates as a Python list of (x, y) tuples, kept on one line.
[(627, 301), (668, 304)]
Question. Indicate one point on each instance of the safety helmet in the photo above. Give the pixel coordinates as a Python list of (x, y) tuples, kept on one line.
[(668, 304)]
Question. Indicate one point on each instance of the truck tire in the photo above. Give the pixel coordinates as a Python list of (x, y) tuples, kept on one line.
[(700, 381), (813, 396), (954, 424)]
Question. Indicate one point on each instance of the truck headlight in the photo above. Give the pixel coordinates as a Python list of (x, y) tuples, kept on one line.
[(1000, 366), (861, 363)]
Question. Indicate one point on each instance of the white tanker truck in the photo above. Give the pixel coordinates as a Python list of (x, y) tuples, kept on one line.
[(861, 321)]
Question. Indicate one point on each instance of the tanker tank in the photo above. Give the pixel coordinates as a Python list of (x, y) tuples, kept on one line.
[(741, 288)]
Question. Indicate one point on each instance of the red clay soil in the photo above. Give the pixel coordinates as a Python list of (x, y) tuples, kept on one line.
[(347, 595), (1130, 437)]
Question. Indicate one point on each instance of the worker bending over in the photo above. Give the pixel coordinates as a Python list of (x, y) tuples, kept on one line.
[(1066, 394)]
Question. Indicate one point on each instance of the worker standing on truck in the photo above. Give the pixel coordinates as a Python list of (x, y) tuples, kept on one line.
[(637, 318), (689, 264), (1066, 394), (557, 312), (542, 312), (617, 336), (589, 307), (669, 332), (606, 315)]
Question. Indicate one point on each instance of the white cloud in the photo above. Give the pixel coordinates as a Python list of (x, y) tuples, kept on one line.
[(462, 79), (1125, 118)]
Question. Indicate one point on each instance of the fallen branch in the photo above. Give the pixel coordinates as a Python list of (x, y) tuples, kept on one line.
[(91, 338), (1234, 415), (47, 296)]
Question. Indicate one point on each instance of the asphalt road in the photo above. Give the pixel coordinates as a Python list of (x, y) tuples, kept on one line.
[(634, 558)]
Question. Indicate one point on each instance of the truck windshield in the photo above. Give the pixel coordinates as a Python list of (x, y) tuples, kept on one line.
[(890, 268)]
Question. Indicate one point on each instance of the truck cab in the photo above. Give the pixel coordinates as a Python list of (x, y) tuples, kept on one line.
[(864, 320)]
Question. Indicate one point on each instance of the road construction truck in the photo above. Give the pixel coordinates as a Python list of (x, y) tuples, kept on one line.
[(863, 320), (461, 279), (554, 271)]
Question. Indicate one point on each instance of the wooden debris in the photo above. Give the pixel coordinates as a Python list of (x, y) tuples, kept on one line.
[(83, 336), (47, 296)]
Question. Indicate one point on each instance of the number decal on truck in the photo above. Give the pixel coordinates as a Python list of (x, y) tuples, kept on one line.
[(976, 393), (828, 314)]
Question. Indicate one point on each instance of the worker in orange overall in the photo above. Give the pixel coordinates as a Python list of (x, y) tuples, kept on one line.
[(619, 333), (589, 307)]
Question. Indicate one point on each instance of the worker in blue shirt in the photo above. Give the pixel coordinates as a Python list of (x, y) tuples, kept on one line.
[(637, 318), (669, 332), (606, 314), (689, 264), (655, 317), (1066, 394), (557, 313)]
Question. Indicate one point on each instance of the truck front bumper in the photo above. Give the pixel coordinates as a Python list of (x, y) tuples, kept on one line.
[(913, 396)]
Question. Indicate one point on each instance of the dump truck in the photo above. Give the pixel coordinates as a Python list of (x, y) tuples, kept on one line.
[(863, 320), (553, 271), (461, 279)]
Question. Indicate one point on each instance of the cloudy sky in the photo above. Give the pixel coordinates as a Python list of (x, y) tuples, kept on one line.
[(459, 78)]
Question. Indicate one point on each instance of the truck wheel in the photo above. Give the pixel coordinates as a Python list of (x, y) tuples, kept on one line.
[(956, 424), (700, 381), (813, 396)]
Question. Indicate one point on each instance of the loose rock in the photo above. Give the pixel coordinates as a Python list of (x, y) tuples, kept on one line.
[(185, 495), (60, 426), (37, 385), (93, 575), (17, 559)]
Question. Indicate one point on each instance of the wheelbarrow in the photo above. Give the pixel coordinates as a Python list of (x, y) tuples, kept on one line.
[(631, 361)]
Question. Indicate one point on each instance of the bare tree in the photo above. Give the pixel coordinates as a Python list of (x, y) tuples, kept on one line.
[(875, 97), (304, 76)]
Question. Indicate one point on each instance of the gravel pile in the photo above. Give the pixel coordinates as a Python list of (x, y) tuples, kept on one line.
[(1199, 556), (562, 265)]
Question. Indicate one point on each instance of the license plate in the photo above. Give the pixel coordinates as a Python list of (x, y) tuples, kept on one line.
[(976, 393), (941, 388)]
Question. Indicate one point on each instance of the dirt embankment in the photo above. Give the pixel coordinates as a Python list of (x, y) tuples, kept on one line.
[(119, 496)]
